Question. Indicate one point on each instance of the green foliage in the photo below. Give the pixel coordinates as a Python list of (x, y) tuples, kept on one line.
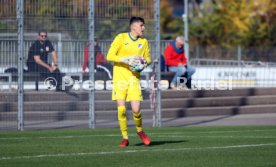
[(225, 23), (228, 23)]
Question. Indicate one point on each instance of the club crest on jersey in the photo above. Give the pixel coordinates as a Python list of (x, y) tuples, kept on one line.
[(47, 48), (140, 45)]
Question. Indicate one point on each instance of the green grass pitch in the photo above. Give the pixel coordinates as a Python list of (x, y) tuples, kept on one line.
[(235, 146)]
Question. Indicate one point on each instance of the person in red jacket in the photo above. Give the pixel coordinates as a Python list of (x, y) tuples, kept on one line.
[(177, 62), (100, 62)]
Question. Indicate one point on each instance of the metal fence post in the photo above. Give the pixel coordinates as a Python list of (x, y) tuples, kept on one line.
[(157, 113), (186, 30), (20, 54), (239, 55), (59, 45), (91, 30)]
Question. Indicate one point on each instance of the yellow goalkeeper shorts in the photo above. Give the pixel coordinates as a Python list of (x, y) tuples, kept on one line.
[(127, 90)]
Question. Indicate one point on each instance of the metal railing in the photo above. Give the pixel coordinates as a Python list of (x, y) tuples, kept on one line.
[(70, 52)]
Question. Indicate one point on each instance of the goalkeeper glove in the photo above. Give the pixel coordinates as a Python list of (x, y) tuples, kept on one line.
[(131, 61), (140, 66)]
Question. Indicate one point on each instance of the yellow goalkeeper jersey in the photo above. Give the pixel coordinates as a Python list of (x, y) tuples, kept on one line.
[(124, 45)]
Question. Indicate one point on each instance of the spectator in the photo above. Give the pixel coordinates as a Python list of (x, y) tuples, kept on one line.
[(100, 63), (38, 60), (177, 62)]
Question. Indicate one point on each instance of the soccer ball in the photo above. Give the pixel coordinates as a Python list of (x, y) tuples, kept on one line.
[(140, 65)]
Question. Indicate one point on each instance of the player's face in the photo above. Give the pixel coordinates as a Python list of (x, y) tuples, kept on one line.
[(138, 28)]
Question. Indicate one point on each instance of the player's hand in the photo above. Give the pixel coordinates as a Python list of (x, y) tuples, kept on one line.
[(131, 61), (140, 66)]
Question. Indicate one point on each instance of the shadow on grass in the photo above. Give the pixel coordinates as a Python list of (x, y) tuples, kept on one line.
[(156, 143)]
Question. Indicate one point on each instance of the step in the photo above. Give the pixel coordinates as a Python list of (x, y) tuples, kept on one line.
[(201, 102), (231, 101), (166, 103), (54, 96), (147, 113), (106, 95), (68, 115), (256, 109), (65, 105), (228, 110), (260, 100), (218, 93)]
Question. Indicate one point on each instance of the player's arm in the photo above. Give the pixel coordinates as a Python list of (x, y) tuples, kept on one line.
[(112, 53), (114, 48), (147, 56)]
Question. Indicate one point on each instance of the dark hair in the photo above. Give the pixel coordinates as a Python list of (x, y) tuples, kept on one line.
[(134, 19), (40, 31)]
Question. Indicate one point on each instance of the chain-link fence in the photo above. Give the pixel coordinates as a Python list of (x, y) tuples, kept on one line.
[(72, 27)]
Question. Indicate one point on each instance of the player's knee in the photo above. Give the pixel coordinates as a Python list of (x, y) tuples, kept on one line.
[(135, 109)]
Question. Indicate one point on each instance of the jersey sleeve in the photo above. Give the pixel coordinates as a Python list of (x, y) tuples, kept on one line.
[(147, 56), (114, 48)]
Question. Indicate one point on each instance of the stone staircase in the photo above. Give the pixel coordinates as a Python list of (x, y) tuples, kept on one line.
[(72, 106)]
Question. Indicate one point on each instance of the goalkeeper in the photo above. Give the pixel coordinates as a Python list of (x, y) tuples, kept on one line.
[(130, 53)]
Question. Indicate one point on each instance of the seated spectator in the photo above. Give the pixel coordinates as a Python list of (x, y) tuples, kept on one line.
[(176, 61), (100, 63), (38, 60)]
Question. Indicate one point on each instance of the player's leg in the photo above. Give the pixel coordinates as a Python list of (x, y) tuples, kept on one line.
[(122, 118), (122, 122), (135, 97), (137, 116), (119, 95)]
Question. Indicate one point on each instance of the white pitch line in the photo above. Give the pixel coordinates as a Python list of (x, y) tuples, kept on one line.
[(58, 137), (118, 135), (226, 131), (135, 151), (185, 136)]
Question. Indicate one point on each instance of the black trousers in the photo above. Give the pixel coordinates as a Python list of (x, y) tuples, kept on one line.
[(45, 73)]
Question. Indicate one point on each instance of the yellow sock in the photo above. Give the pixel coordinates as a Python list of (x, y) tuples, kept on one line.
[(122, 121), (137, 117)]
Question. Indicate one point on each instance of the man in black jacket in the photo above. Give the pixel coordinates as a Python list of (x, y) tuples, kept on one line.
[(38, 60)]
